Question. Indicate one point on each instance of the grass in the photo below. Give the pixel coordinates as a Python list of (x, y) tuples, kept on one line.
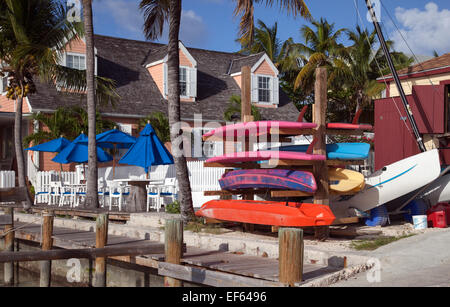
[(376, 243), (197, 225)]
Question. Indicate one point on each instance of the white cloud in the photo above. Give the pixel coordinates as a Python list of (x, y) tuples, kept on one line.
[(128, 20), (124, 13), (193, 30), (424, 30)]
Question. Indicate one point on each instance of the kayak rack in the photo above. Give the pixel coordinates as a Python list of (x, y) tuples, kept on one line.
[(319, 168)]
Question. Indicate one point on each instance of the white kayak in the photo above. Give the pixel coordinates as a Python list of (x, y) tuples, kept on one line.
[(391, 182)]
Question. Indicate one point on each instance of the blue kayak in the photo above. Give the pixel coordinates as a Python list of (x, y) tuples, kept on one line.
[(338, 151)]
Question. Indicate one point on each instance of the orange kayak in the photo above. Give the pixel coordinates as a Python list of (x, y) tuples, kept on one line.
[(289, 214)]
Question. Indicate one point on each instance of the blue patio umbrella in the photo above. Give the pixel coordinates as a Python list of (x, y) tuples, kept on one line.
[(147, 151), (56, 145), (77, 152), (115, 139)]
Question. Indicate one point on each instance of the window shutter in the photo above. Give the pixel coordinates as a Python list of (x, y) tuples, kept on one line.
[(254, 87), (192, 85), (275, 91), (165, 89)]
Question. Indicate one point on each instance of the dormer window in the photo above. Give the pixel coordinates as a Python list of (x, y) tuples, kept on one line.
[(183, 81), (264, 89), (76, 61)]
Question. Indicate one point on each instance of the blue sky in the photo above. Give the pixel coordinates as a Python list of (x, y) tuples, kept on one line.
[(210, 24)]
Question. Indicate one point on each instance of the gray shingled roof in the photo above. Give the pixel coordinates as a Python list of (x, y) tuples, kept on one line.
[(238, 63), (124, 61)]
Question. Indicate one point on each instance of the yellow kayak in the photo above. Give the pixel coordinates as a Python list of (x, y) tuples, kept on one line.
[(344, 181)]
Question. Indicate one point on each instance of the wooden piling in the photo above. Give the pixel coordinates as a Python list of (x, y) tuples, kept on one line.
[(246, 116), (290, 242), (320, 168), (101, 239), (47, 244), (9, 247), (173, 248)]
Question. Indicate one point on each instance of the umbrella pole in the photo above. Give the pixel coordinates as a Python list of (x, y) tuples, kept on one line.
[(114, 161)]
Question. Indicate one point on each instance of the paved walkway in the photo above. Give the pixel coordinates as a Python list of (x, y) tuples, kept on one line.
[(421, 261)]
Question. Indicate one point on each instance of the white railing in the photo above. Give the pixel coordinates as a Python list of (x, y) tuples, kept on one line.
[(7, 179)]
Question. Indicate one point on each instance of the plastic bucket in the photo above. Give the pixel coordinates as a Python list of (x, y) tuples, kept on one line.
[(420, 222)]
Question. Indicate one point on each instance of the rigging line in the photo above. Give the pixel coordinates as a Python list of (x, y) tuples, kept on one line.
[(402, 118), (409, 47)]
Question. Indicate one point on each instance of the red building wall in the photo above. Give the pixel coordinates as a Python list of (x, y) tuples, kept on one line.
[(394, 139)]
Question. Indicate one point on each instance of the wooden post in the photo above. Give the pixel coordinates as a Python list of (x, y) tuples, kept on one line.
[(101, 239), (290, 259), (173, 248), (246, 94), (9, 247), (246, 116), (320, 169), (47, 244)]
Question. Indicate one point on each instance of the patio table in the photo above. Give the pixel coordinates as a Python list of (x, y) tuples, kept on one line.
[(138, 193)]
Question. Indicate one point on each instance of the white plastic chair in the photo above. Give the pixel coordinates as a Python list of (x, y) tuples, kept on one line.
[(117, 190), (169, 189), (153, 193)]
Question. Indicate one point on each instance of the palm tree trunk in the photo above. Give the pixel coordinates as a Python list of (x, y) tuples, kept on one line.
[(173, 68), (19, 149), (92, 185)]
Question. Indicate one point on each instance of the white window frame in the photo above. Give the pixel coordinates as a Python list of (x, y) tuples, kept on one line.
[(2, 87), (269, 89), (188, 83), (73, 54)]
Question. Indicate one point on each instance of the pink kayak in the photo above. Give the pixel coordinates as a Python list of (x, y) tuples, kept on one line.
[(346, 126), (252, 156), (257, 128)]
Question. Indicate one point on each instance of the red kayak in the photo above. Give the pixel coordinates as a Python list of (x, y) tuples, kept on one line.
[(287, 214)]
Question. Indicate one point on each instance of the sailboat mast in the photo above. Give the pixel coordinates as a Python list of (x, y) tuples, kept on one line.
[(395, 75)]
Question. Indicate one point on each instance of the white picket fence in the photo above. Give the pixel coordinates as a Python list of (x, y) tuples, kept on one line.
[(201, 178), (7, 179)]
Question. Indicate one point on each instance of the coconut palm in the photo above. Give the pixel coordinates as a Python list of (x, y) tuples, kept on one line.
[(92, 184), (245, 9), (320, 48), (32, 41), (156, 13), (233, 110)]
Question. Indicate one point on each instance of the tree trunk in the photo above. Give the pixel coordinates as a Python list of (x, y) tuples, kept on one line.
[(176, 134), (92, 185), (19, 149)]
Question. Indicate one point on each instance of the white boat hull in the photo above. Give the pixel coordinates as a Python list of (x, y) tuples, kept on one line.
[(391, 182)]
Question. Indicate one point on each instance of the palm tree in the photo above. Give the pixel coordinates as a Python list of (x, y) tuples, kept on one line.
[(92, 183), (33, 37), (233, 110), (320, 48), (360, 65), (245, 9), (160, 123), (156, 13), (66, 122)]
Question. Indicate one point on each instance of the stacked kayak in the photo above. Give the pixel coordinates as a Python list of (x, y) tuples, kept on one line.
[(338, 151), (269, 179), (288, 214)]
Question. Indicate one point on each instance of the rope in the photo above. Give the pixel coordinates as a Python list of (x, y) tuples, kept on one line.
[(23, 226)]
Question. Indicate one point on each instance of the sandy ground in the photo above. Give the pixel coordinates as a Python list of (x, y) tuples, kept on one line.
[(340, 243)]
